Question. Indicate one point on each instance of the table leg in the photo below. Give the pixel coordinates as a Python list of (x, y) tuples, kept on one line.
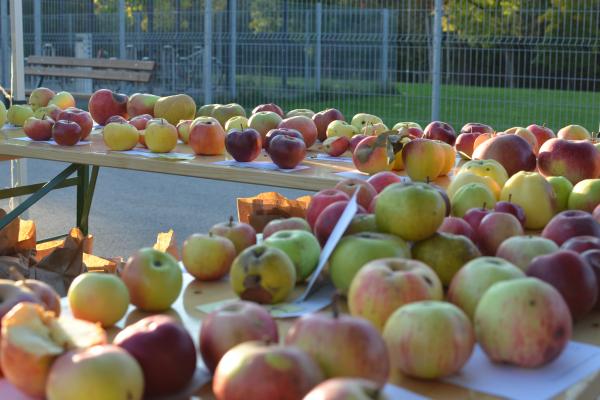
[(85, 195)]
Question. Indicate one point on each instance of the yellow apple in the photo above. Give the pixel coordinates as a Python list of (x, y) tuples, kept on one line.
[(237, 122), (490, 167), (341, 128), (449, 157), (18, 113), (525, 134), (361, 120), (374, 129), (120, 136), (562, 189), (98, 297), (160, 137), (467, 177), (574, 132), (423, 159), (63, 100)]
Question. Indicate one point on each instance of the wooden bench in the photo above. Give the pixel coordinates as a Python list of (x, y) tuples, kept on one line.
[(134, 71)]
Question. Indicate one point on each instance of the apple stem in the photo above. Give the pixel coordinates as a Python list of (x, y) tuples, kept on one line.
[(427, 180), (231, 220), (483, 207), (335, 309), (510, 197)]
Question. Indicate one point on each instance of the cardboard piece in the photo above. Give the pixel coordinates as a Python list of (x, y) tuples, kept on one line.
[(166, 242), (27, 236), (259, 210)]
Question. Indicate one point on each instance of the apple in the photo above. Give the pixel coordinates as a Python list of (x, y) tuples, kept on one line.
[(104, 104), (542, 133), (243, 145), (166, 370), (414, 129), (342, 345), (562, 189), (328, 219), (206, 110), (476, 127), (571, 223), (341, 128), (521, 250), (107, 371), (440, 131), (301, 247), (207, 137), (183, 130), (423, 159), (283, 224), (208, 257), (579, 244), (575, 160), (592, 257), (242, 235), (300, 111), (574, 132), (119, 120), (354, 251), (596, 213), (264, 121), (33, 338), (161, 137), (304, 125), (361, 120), (98, 297), (287, 151), (175, 108), (488, 168), (140, 121), (355, 140), (238, 122), (63, 100), (513, 152), (154, 279), (120, 137), (224, 112), (585, 195), (272, 107), (38, 129), (44, 292), (322, 119), (280, 131), (494, 229), (383, 179), (52, 111), (11, 294), (40, 97), (374, 129), (465, 144), (66, 133), (421, 214), (416, 348), (444, 196), (263, 274), (366, 192), (345, 389), (83, 119), (465, 177), (511, 208), (445, 253), (525, 134), (524, 322), (470, 196), (336, 146), (253, 370), (371, 155), (320, 201), (362, 223), (231, 324), (457, 226), (476, 277), (141, 103), (384, 285), (17, 114), (473, 216), (570, 274), (3, 116)]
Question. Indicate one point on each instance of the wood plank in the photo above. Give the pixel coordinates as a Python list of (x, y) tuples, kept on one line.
[(112, 75), (137, 65)]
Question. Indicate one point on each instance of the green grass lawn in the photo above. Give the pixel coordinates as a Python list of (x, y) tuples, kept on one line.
[(498, 107)]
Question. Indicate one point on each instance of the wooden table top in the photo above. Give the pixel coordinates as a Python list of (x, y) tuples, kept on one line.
[(320, 175)]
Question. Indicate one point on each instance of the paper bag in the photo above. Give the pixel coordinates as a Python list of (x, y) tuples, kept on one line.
[(259, 210), (9, 236), (166, 242)]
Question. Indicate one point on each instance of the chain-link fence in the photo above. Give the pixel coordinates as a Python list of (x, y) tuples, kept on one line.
[(507, 63)]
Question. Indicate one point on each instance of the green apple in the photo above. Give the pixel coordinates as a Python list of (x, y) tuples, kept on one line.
[(223, 112), (2, 114), (302, 248), (361, 120), (475, 277), (206, 110), (208, 257), (362, 223), (534, 194), (305, 112), (263, 274), (585, 195), (18, 113), (341, 128), (49, 110), (463, 178), (154, 279), (412, 211), (237, 122), (446, 253), (521, 250), (429, 339), (472, 195), (98, 297), (354, 251), (264, 121), (490, 168), (562, 189), (399, 125)]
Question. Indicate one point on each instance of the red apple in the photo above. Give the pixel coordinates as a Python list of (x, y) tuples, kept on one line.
[(512, 151), (320, 201), (474, 216), (104, 104), (542, 133), (66, 133), (286, 151), (443, 131), (83, 119), (117, 119), (596, 213), (511, 208), (476, 127), (592, 257), (280, 131), (571, 275), (207, 137), (140, 121), (366, 192), (382, 179), (328, 219), (579, 244), (494, 228), (576, 160), (322, 120), (355, 140), (241, 234), (345, 389), (371, 155), (285, 224), (571, 223), (269, 107), (243, 145), (445, 197), (458, 226), (304, 125), (232, 324), (465, 143), (38, 129), (165, 351), (336, 146)]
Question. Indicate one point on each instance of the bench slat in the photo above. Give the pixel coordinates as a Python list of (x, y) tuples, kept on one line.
[(92, 62), (90, 74)]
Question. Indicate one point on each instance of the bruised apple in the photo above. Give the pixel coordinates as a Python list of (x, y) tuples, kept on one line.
[(104, 104)]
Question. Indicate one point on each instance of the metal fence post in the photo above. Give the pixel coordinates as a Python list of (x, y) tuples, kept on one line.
[(37, 27), (306, 48), (4, 38), (385, 48), (437, 61), (207, 65), (122, 49), (318, 27), (232, 48)]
